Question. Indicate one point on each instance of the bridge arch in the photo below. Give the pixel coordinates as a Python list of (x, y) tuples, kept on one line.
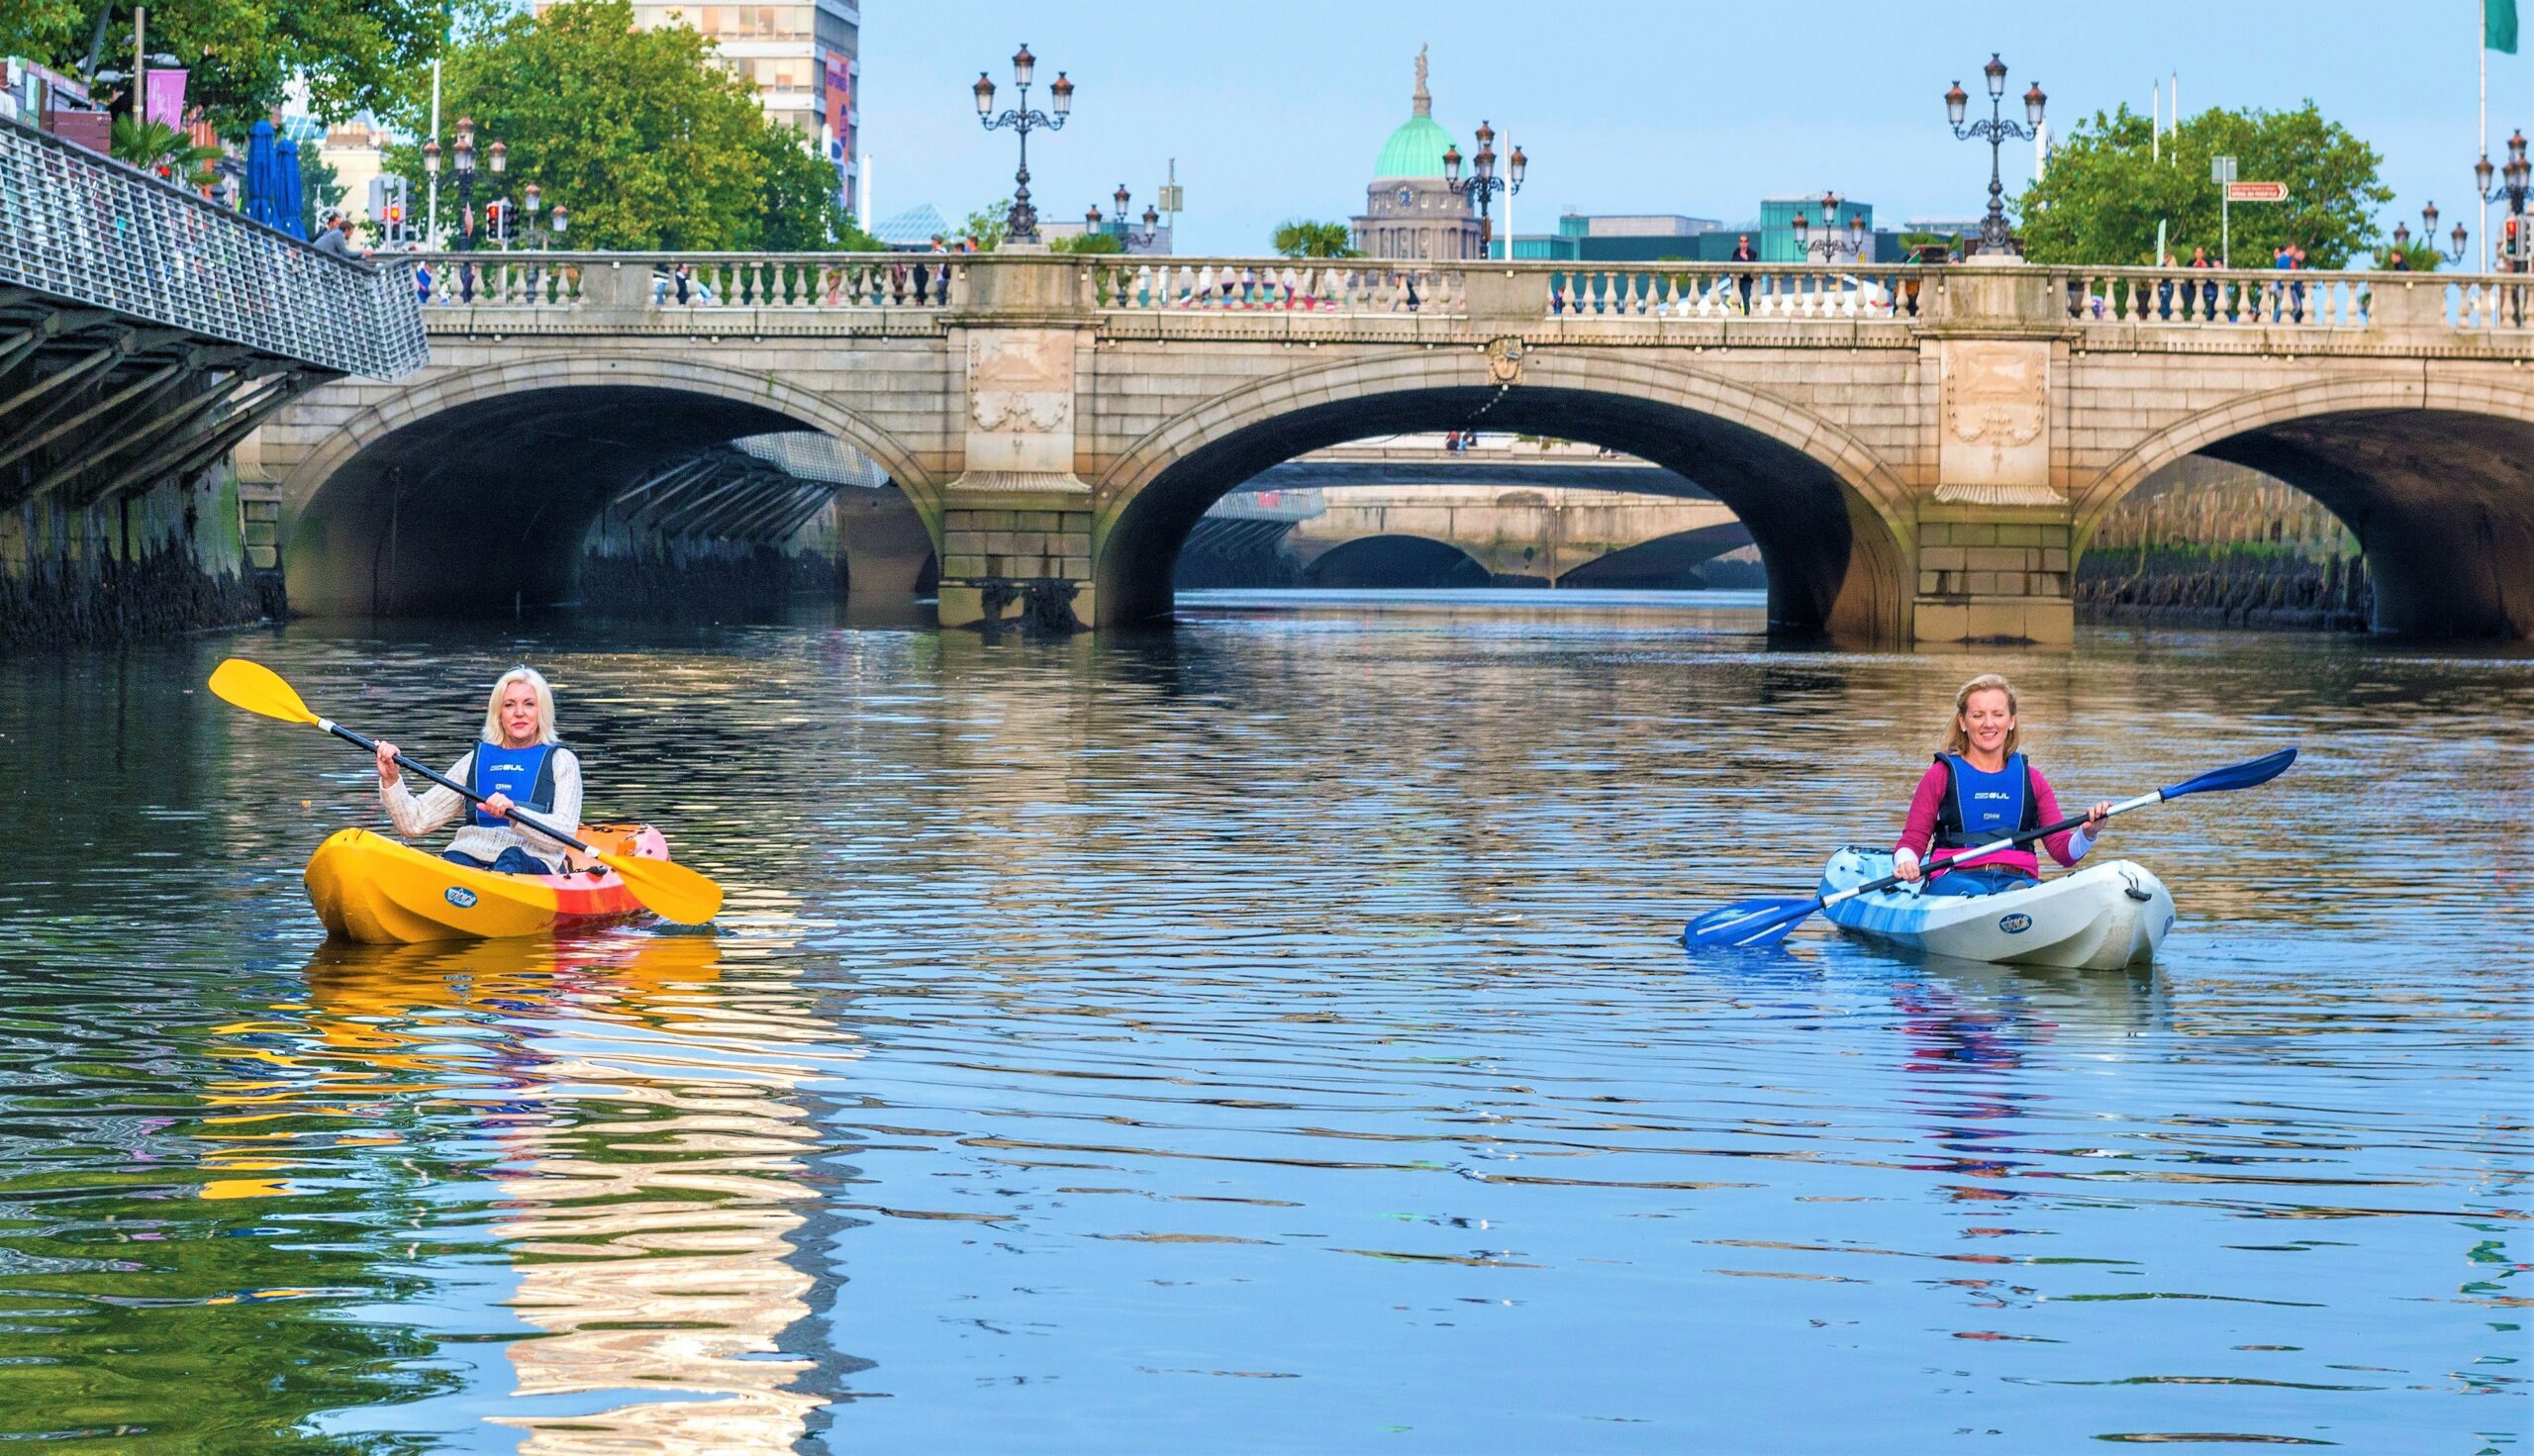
[(1396, 559), (1832, 522), (481, 483), (2435, 477)]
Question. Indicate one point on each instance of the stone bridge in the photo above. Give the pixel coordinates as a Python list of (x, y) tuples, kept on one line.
[(1918, 452), (1557, 535)]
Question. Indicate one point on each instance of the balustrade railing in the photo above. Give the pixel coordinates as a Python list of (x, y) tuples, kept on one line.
[(1302, 285), (1729, 290), (698, 282), (1872, 293), (2221, 298), (76, 226)]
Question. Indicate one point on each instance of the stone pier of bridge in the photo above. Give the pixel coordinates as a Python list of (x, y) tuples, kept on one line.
[(1918, 453)]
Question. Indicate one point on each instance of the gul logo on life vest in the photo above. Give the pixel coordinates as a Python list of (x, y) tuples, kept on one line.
[(2016, 925), (460, 896)]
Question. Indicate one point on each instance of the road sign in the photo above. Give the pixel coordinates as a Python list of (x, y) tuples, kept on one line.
[(2256, 193), (2221, 169)]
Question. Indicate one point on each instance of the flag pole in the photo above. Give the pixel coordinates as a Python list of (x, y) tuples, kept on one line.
[(2483, 52)]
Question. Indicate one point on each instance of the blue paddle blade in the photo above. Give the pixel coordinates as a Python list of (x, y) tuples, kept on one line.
[(1749, 922), (2241, 776)]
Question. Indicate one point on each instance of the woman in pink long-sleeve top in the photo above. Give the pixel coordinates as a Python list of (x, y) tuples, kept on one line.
[(1980, 790)]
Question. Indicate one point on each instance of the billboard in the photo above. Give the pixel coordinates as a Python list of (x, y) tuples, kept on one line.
[(839, 98)]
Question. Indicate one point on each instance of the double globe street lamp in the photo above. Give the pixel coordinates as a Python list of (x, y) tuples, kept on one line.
[(1995, 236), (1830, 247), (1483, 182), (1020, 224)]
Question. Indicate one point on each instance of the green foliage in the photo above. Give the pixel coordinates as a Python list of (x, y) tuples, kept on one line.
[(2424, 257), (355, 54), (985, 226), (1088, 243), (318, 189), (1297, 238), (2104, 191), (649, 143), (155, 147)]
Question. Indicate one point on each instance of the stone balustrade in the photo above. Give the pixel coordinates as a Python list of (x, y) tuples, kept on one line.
[(1117, 288)]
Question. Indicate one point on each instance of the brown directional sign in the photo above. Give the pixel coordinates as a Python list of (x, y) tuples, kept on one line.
[(2256, 193)]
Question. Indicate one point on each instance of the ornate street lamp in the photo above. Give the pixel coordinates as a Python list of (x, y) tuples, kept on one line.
[(2515, 247), (1125, 232), (1830, 247), (2428, 224), (1482, 183), (1020, 225), (465, 162), (1993, 233)]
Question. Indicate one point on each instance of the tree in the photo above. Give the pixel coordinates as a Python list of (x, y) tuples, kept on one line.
[(2425, 257), (1299, 239), (2106, 189), (155, 147), (985, 226), (354, 55), (651, 145)]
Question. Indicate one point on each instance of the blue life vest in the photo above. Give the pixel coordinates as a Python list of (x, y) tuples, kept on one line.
[(526, 775), (1983, 808)]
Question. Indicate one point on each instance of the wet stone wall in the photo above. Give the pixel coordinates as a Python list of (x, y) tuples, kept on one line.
[(154, 564), (717, 579), (2243, 587)]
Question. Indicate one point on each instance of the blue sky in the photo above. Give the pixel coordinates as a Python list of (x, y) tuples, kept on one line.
[(1276, 111)]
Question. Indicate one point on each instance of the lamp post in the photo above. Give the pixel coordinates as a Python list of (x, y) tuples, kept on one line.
[(2428, 235), (1482, 183), (1126, 234), (1020, 225), (496, 159), (1830, 247), (431, 170), (2513, 249), (1993, 233)]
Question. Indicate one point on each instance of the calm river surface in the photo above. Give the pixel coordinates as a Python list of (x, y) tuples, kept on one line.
[(1271, 1037)]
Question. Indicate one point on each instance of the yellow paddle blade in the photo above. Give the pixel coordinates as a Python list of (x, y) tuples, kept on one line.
[(667, 889), (258, 689)]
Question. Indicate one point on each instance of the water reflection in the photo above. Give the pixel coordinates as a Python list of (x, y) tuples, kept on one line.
[(1269, 1036), (641, 1156)]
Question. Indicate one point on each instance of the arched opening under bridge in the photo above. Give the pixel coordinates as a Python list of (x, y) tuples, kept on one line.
[(1826, 519)]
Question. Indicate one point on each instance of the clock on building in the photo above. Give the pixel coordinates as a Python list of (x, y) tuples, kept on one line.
[(1407, 196)]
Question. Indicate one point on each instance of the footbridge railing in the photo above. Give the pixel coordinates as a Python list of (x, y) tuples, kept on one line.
[(87, 232)]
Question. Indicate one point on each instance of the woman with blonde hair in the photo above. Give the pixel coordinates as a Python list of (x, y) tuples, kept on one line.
[(520, 763), (1980, 790)]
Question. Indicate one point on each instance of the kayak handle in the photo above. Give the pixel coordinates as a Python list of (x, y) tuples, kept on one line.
[(452, 785)]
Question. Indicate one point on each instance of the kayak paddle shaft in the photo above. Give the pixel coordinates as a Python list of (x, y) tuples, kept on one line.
[(409, 767)]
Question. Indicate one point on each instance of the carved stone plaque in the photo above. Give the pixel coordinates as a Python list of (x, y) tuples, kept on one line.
[(1020, 401), (1994, 422)]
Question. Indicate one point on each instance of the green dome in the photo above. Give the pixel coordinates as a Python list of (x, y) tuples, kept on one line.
[(1416, 150)]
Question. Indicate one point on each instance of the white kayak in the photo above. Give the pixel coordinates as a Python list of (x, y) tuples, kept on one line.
[(2099, 917)]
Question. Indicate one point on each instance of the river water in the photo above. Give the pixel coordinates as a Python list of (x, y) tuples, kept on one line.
[(1268, 1036)]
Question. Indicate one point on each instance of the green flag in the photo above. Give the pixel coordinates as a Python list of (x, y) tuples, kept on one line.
[(2499, 26)]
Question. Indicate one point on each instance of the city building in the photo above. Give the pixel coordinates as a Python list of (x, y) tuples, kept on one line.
[(1410, 211), (356, 150), (802, 58), (1616, 237)]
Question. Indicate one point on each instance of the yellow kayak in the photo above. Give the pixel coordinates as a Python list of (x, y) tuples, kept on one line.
[(371, 888)]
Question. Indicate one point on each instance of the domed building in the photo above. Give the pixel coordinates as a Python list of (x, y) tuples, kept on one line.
[(1409, 212)]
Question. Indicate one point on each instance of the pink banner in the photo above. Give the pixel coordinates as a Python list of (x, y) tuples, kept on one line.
[(167, 98)]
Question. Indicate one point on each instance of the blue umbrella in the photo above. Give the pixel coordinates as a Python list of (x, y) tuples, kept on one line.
[(263, 177), (290, 203)]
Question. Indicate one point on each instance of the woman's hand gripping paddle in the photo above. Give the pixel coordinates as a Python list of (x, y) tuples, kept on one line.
[(666, 888), (1755, 923)]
